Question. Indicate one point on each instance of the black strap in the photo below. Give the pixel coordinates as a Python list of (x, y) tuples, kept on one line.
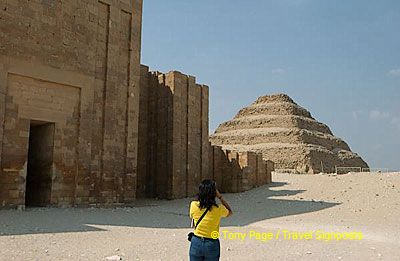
[(198, 222)]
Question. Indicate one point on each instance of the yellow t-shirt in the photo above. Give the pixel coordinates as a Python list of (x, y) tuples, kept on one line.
[(210, 221)]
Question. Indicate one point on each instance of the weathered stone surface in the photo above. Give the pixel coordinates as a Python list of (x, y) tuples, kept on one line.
[(76, 65), (96, 127), (235, 171), (175, 134), (287, 134)]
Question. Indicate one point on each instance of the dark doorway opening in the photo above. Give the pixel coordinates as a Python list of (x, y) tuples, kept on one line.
[(40, 164)]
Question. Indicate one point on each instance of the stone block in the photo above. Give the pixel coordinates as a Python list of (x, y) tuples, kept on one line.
[(2, 120), (248, 165), (270, 167), (205, 150), (179, 89), (261, 171), (194, 137), (144, 128)]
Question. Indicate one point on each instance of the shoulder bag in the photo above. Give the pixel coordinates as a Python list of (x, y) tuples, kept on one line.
[(191, 234)]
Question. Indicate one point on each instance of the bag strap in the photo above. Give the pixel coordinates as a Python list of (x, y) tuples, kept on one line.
[(198, 222)]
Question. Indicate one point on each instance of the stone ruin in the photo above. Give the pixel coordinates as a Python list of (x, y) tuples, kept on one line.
[(174, 152), (236, 171), (287, 134), (69, 101), (82, 122)]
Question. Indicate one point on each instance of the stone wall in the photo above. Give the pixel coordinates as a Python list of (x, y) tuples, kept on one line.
[(173, 135), (74, 64), (82, 122), (174, 152), (236, 171)]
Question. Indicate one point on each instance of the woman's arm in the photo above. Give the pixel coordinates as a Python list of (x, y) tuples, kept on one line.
[(224, 203)]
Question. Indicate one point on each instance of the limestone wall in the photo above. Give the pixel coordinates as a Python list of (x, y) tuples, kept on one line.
[(173, 135), (236, 171), (74, 64), (112, 130), (174, 152)]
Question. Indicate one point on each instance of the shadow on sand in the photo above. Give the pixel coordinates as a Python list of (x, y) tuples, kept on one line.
[(250, 206)]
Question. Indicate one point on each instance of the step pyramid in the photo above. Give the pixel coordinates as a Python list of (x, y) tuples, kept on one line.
[(287, 134)]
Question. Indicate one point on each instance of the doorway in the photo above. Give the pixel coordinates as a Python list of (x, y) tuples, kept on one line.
[(40, 164)]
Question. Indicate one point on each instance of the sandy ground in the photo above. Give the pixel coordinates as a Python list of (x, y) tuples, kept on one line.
[(156, 230)]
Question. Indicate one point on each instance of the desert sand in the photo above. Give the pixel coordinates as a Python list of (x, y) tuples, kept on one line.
[(156, 230)]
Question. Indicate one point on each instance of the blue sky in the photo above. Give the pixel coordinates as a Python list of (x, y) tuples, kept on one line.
[(338, 59)]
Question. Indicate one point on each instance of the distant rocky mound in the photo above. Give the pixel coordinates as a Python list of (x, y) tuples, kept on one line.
[(287, 134)]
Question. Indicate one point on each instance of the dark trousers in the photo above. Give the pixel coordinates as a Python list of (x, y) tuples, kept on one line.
[(204, 249)]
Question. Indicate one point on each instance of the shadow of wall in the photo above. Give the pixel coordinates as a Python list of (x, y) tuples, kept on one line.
[(251, 206)]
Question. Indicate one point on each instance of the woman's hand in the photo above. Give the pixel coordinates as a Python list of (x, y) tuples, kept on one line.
[(218, 195)]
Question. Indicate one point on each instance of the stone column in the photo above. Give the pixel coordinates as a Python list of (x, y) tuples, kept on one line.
[(132, 109), (205, 149), (3, 91), (194, 136)]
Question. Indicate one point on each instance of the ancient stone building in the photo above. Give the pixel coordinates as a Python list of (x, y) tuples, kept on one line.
[(287, 134), (82, 122), (69, 101), (175, 154), (174, 151), (238, 171)]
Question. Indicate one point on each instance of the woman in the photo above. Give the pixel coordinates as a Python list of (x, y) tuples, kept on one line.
[(205, 243)]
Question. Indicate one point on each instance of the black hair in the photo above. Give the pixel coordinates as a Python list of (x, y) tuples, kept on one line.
[(207, 194)]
